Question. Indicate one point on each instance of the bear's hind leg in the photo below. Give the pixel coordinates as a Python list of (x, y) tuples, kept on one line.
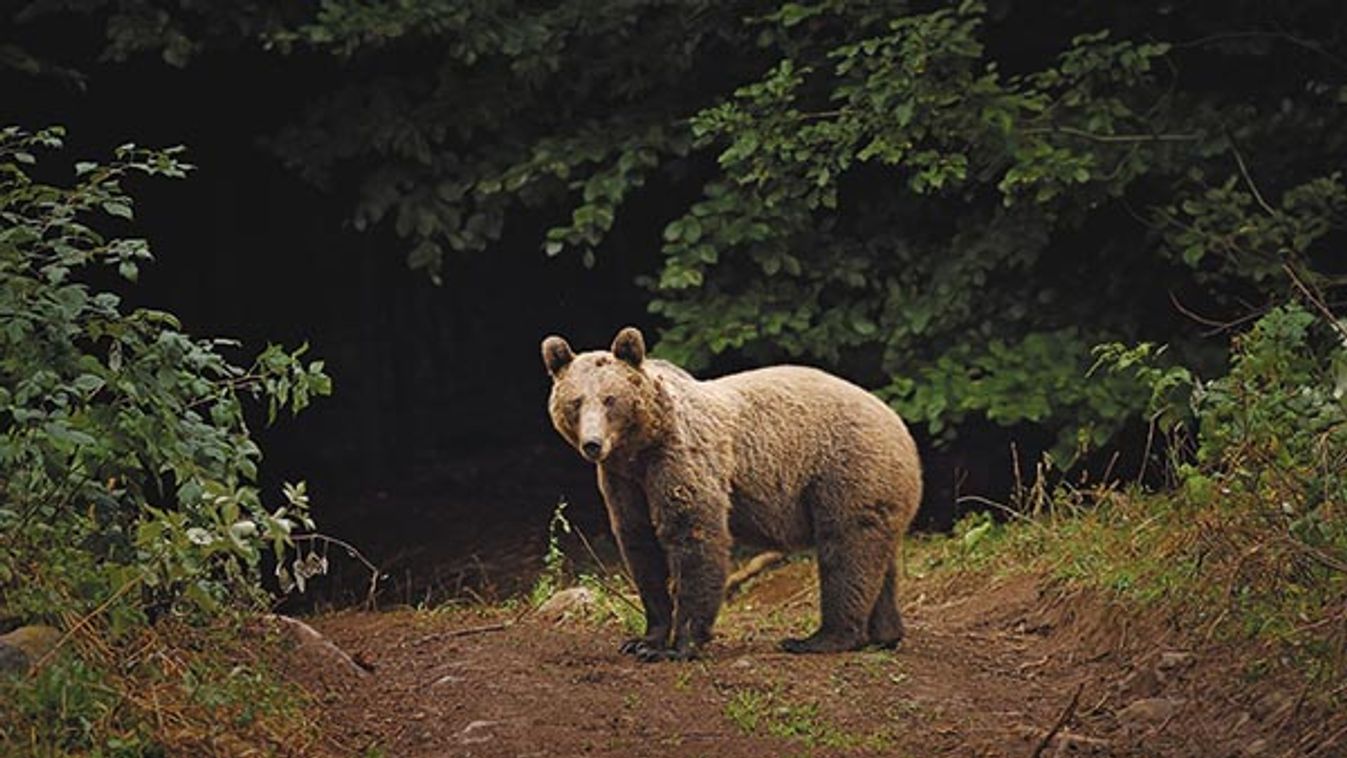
[(886, 621), (851, 574)]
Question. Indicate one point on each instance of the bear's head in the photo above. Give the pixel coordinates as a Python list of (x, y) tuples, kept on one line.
[(603, 401)]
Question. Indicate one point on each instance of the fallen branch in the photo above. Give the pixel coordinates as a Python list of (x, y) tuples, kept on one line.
[(312, 639), (467, 631), (499, 626), (1067, 713), (756, 565)]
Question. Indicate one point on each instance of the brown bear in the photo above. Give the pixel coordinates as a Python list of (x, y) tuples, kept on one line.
[(782, 457)]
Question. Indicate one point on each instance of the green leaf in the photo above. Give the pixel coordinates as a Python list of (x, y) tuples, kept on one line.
[(88, 383), (117, 208)]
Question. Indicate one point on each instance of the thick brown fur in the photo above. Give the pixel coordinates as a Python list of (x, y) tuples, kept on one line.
[(783, 457)]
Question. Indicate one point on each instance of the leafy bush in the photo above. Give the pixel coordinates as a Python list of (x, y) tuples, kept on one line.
[(1251, 543), (1274, 425), (127, 469), (1277, 422)]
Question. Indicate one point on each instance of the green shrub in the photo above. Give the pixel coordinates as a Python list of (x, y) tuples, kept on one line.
[(1252, 541), (127, 469)]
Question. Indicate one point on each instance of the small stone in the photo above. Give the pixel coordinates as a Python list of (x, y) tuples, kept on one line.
[(22, 647), (1255, 748), (1238, 721), (476, 732), (1069, 743), (567, 603), (12, 660), (1173, 660), (1148, 711)]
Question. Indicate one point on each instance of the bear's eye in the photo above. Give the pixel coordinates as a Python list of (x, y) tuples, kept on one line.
[(609, 401), (576, 403)]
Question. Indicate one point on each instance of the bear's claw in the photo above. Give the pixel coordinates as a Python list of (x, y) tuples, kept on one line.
[(656, 655), (635, 646)]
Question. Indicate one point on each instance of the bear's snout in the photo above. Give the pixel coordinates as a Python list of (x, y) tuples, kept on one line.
[(591, 449)]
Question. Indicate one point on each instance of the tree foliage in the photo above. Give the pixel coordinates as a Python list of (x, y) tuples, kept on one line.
[(899, 191), (127, 469), (951, 202)]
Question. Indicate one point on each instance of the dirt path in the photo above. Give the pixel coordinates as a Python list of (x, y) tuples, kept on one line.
[(986, 671)]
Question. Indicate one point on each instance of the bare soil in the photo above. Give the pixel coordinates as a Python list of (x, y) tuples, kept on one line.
[(991, 667)]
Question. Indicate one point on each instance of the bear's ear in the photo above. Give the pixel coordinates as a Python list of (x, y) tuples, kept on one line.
[(557, 355), (629, 346)]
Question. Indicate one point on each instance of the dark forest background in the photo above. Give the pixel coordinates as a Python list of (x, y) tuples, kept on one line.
[(950, 204)]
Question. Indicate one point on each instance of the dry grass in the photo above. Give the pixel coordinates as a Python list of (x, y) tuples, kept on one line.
[(165, 689)]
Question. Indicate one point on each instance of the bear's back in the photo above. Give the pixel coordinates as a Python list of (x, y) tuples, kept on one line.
[(795, 429)]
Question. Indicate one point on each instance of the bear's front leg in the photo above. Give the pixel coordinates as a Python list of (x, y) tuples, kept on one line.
[(649, 568), (696, 540), (629, 518)]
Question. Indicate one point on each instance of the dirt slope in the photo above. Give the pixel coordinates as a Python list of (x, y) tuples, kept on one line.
[(989, 668)]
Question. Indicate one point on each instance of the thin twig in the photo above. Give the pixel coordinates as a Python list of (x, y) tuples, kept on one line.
[(1244, 171), (1311, 294), (353, 552), (605, 579), (594, 556), (1312, 46), (999, 506), (1067, 713), (1108, 470), (1332, 741), (755, 565), (617, 592), (1295, 710), (1328, 560), (1217, 326), (1146, 452), (78, 625), (1113, 138), (484, 628), (1163, 725), (1315, 300), (496, 627)]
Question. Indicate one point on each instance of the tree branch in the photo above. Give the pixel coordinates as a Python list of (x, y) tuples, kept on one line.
[(1112, 138)]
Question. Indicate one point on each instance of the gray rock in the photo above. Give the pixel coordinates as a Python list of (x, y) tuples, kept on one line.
[(22, 647), (568, 603), (12, 660), (476, 733)]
